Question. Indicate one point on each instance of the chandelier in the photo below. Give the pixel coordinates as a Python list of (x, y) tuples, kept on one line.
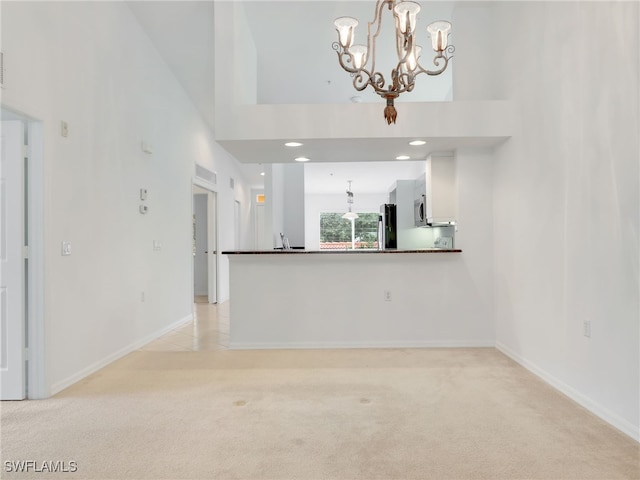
[(360, 60)]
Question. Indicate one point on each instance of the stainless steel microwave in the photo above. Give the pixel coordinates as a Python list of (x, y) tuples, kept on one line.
[(420, 211)]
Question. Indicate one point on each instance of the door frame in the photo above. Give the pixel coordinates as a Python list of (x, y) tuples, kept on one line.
[(212, 236), (35, 355)]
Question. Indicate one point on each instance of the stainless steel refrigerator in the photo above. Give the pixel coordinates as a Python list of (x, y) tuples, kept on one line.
[(387, 227)]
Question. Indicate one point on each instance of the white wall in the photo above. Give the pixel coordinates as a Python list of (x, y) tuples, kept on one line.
[(477, 52), (257, 226), (235, 57), (284, 204), (90, 64), (566, 201), (293, 198), (274, 205), (474, 226), (337, 300)]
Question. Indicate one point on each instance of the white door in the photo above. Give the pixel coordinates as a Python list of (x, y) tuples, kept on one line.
[(12, 371), (205, 235)]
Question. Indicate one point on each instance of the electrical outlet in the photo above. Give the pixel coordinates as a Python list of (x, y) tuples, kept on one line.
[(387, 295), (586, 328)]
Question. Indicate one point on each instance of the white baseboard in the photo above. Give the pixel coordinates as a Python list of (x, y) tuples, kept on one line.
[(94, 367), (611, 418), (365, 344)]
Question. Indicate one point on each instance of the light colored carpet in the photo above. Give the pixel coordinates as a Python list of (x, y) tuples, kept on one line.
[(316, 414)]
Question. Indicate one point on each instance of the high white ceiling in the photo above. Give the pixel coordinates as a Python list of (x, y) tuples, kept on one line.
[(296, 64)]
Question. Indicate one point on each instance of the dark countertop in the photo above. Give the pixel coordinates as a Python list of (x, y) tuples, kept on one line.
[(341, 252)]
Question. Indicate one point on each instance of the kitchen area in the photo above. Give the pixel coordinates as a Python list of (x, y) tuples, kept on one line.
[(427, 290), (421, 212), (415, 202)]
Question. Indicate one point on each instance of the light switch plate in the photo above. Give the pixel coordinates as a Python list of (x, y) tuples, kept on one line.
[(146, 148), (66, 248)]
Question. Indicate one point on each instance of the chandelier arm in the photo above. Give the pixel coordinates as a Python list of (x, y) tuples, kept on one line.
[(378, 82), (398, 38), (436, 61), (344, 58), (363, 78), (407, 47), (406, 82), (359, 82), (371, 41)]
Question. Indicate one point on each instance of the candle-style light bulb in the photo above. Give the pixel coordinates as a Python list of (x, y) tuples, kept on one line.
[(346, 30), (358, 56), (406, 13), (439, 32)]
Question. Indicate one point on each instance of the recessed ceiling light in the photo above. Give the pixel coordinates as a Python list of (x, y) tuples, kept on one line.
[(262, 173), (293, 144), (416, 143), (302, 159), (403, 157)]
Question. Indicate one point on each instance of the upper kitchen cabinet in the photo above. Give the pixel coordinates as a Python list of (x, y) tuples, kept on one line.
[(436, 192)]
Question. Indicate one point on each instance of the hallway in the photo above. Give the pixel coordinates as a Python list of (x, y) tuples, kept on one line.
[(208, 331)]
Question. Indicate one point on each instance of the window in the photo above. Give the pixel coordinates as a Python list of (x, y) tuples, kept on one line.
[(335, 231)]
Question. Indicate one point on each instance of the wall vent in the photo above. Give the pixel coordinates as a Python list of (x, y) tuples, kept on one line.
[(207, 175), (232, 183)]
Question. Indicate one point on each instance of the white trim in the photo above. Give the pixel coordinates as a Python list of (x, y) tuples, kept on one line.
[(37, 375), (364, 344), (200, 182), (37, 386), (611, 418), (85, 372), (212, 244)]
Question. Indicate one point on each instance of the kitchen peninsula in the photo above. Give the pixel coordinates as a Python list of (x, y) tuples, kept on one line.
[(353, 298)]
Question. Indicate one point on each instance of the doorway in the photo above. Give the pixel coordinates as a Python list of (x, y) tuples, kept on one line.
[(204, 245), (22, 266)]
